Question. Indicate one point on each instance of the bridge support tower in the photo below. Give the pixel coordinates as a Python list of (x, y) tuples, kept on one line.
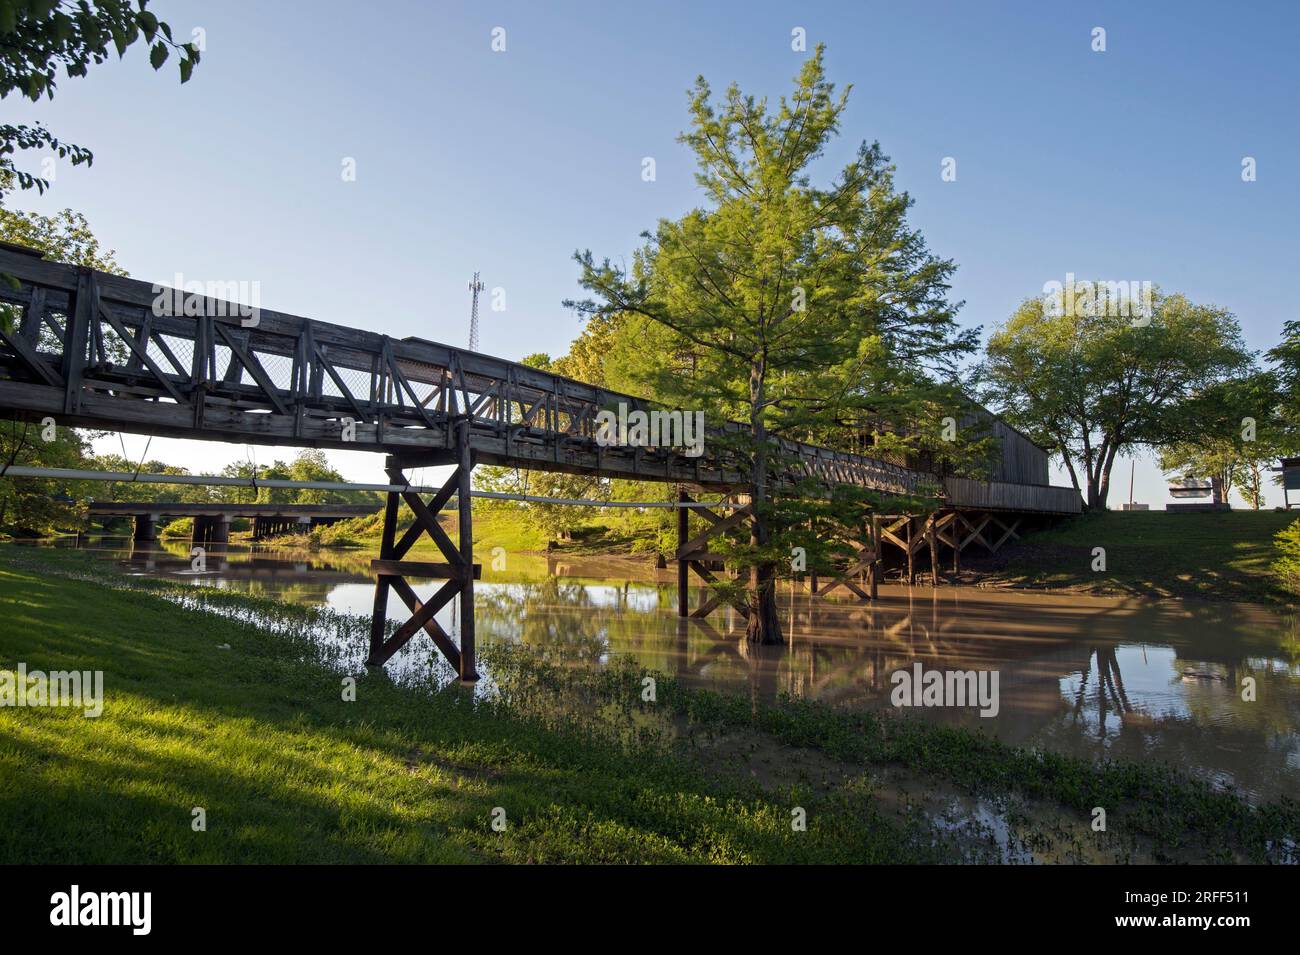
[(146, 527), (457, 570)]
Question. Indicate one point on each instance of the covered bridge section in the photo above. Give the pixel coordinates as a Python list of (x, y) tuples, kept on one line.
[(212, 521)]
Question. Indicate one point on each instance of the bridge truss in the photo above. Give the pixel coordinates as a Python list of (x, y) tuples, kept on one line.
[(100, 351)]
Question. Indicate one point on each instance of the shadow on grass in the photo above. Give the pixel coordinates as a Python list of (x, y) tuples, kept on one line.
[(286, 770)]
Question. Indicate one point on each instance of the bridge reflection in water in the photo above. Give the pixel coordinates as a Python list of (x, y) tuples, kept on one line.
[(1138, 680)]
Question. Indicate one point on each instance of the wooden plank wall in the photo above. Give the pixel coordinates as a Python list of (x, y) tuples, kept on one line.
[(1022, 461), (1004, 496)]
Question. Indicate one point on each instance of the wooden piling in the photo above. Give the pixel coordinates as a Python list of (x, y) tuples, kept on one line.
[(877, 565), (934, 549), (465, 507), (379, 614), (911, 554), (683, 568), (956, 549)]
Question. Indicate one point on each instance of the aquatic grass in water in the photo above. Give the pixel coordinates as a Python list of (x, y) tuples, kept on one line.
[(1176, 816)]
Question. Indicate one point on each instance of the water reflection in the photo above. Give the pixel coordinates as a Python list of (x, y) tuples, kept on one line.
[(1120, 678)]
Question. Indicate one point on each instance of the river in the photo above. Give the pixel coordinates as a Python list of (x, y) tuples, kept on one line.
[(1131, 679)]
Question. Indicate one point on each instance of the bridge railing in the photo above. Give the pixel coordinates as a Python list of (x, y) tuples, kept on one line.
[(103, 351)]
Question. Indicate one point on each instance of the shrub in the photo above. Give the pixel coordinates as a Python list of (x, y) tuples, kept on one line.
[(180, 527), (1287, 565)]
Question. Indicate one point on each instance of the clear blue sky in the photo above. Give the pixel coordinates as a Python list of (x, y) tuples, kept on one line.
[(1124, 164)]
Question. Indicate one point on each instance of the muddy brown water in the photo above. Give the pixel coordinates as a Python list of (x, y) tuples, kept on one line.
[(1142, 680)]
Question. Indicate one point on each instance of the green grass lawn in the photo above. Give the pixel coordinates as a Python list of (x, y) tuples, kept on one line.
[(202, 710), (1214, 555), (260, 737)]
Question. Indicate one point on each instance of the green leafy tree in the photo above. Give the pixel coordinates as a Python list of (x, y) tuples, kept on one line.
[(310, 465), (35, 507), (1089, 383), (1286, 356), (781, 302), (1231, 432), (63, 237), (135, 490), (39, 39)]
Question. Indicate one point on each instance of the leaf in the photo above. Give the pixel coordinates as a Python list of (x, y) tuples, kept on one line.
[(148, 23), (187, 67), (158, 55), (62, 27)]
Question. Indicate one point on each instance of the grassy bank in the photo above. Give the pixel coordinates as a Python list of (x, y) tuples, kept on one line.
[(239, 710), (1213, 556), (205, 711), (506, 527)]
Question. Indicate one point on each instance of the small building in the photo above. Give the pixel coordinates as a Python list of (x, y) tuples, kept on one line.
[(1195, 489), (1290, 479)]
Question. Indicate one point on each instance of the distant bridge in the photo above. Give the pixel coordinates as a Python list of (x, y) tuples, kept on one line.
[(212, 521), (100, 351)]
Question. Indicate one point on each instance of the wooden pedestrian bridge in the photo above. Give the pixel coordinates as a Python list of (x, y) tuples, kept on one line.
[(212, 521), (88, 349)]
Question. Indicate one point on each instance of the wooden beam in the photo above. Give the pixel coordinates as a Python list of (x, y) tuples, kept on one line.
[(439, 636), (468, 669), (930, 535), (976, 532), (1010, 533), (31, 359), (418, 568), (911, 555), (697, 543), (434, 507), (715, 596), (683, 571), (418, 621), (379, 614)]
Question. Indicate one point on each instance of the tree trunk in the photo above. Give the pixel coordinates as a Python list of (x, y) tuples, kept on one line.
[(1091, 500), (764, 624), (1099, 469)]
